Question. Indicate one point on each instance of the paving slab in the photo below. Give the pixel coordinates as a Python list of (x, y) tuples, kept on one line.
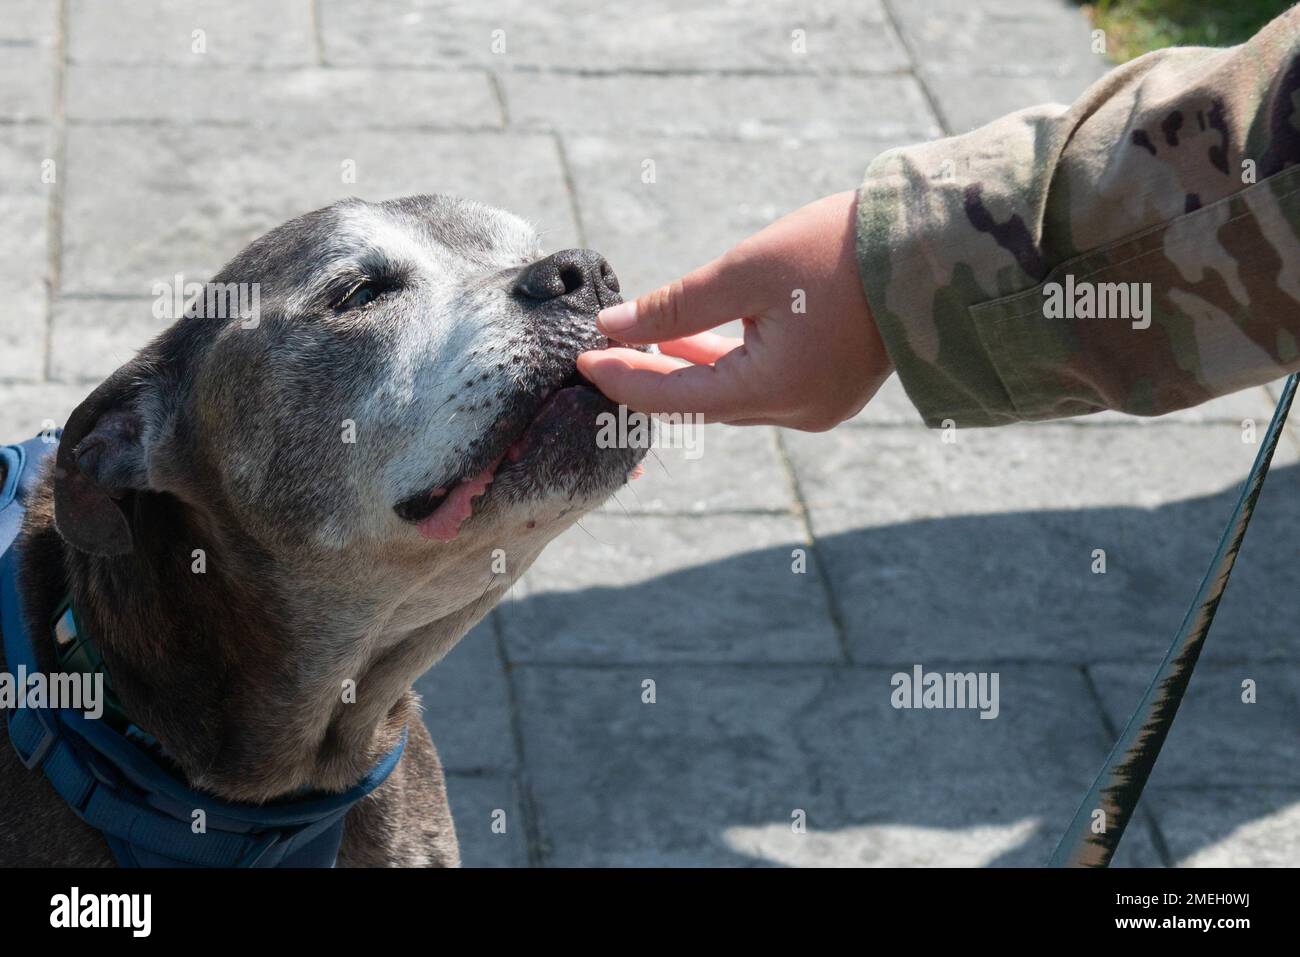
[(718, 588), (305, 97), (467, 705), (714, 771), (29, 21), (1028, 36), (657, 36), (478, 802), (256, 33), (967, 100), (982, 61), (27, 410), (144, 204), (92, 336), (709, 469), (985, 546), (1249, 827), (24, 209), (27, 72), (704, 198), (745, 107)]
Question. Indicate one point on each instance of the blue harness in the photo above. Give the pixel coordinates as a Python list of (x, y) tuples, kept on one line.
[(148, 816)]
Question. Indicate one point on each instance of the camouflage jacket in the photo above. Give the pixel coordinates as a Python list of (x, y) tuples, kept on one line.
[(1135, 251)]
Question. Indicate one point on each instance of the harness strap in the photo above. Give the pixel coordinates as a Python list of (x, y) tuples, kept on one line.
[(14, 458), (148, 816), (1118, 786)]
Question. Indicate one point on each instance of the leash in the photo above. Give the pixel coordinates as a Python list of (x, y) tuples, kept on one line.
[(1095, 831)]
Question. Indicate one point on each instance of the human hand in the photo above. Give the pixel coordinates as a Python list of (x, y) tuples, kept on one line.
[(808, 370)]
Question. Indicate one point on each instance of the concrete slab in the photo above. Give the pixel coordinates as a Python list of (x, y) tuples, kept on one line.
[(467, 706), (489, 822), (743, 107), (206, 201), (707, 470), (715, 772), (26, 163), (250, 32), (986, 546), (656, 37), (306, 98), (636, 589), (704, 197)]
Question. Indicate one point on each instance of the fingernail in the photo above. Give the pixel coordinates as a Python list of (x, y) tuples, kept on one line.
[(617, 318)]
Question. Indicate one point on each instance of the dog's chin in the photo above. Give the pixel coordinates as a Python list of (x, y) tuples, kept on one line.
[(573, 449), (566, 448)]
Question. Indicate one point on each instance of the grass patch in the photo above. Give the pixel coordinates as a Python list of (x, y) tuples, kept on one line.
[(1134, 27)]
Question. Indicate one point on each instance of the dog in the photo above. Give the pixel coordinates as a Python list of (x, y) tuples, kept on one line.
[(365, 470)]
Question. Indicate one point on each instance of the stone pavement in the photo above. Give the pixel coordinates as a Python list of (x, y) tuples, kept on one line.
[(772, 689)]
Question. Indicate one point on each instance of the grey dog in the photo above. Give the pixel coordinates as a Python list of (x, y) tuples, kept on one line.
[(366, 469)]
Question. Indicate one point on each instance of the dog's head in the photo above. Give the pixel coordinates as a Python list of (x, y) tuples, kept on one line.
[(369, 386)]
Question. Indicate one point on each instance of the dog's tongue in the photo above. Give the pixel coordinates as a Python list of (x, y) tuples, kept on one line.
[(445, 522)]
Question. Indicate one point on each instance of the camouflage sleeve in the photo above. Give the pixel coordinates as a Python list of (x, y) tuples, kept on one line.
[(1135, 251)]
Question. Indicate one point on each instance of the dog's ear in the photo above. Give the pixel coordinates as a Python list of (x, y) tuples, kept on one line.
[(101, 460)]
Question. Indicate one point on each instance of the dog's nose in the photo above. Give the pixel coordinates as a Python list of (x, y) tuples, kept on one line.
[(570, 272)]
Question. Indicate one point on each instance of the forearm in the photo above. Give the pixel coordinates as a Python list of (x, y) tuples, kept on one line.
[(995, 262)]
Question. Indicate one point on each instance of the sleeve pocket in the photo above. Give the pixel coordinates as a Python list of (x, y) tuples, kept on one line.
[(1202, 305)]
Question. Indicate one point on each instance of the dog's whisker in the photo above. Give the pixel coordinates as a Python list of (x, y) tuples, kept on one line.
[(492, 577), (661, 463), (589, 535), (442, 405)]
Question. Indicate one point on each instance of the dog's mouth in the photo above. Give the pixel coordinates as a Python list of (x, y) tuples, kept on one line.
[(439, 512)]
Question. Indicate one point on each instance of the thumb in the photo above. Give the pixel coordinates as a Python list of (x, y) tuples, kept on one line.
[(728, 288), (648, 382)]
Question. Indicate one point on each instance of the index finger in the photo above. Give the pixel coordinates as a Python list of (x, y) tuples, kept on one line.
[(731, 287)]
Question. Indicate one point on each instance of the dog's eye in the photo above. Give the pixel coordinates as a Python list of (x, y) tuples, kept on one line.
[(359, 296)]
